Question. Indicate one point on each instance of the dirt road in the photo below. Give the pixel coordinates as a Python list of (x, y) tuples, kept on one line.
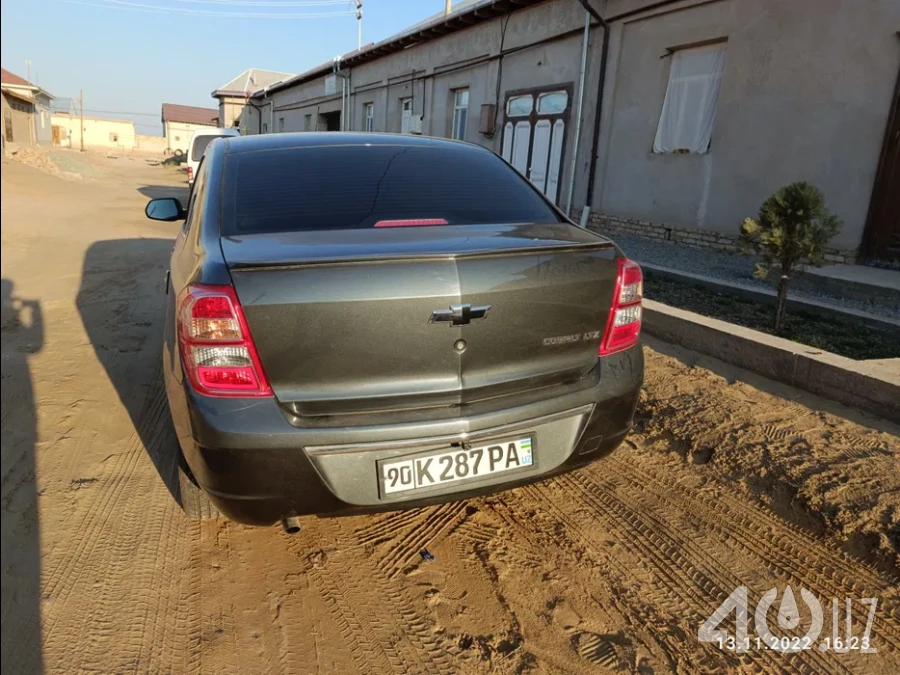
[(729, 481)]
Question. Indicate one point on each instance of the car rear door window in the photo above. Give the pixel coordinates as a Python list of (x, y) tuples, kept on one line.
[(358, 186), (199, 145), (196, 199)]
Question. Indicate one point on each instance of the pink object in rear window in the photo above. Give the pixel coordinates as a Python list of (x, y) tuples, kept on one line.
[(412, 222)]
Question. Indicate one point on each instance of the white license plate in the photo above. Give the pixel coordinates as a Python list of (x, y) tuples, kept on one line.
[(455, 466)]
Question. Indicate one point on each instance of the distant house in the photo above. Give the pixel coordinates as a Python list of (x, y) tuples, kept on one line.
[(98, 132), (26, 111), (181, 122), (63, 104), (233, 95)]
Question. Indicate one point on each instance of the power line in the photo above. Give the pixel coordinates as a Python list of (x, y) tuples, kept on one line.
[(267, 3), (159, 9)]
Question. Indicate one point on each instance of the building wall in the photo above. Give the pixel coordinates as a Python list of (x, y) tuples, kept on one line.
[(98, 133), (230, 109), (792, 106), (22, 116), (179, 134), (146, 143), (42, 125), (430, 72)]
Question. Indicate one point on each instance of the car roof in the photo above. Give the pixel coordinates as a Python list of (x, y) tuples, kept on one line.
[(217, 131), (305, 139)]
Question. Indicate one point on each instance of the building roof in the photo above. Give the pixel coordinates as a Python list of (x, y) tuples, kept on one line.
[(22, 96), (249, 81), (63, 104), (464, 14), (12, 78), (189, 114), (9, 79)]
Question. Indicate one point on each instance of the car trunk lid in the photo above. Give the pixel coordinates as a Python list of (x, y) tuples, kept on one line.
[(351, 321)]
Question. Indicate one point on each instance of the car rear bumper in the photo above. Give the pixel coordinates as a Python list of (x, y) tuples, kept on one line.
[(258, 465)]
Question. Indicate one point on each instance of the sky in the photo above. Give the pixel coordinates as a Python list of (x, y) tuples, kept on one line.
[(131, 56)]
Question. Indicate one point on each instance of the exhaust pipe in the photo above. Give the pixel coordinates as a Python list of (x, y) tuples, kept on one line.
[(291, 525)]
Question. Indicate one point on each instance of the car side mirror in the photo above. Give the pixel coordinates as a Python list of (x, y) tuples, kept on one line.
[(168, 209)]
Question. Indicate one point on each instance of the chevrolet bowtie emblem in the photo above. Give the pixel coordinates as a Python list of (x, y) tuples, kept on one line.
[(459, 315)]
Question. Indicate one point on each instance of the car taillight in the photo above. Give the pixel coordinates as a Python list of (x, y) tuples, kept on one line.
[(190, 173), (623, 328), (216, 347)]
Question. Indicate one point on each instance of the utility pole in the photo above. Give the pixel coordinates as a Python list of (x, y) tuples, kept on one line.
[(81, 116), (448, 7), (359, 24), (28, 69)]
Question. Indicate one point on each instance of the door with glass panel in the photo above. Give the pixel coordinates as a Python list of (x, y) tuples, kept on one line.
[(406, 106), (534, 134)]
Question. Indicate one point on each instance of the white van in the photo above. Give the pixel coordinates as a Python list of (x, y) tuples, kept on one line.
[(198, 146)]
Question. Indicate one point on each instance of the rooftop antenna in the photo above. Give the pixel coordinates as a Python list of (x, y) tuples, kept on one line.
[(359, 24)]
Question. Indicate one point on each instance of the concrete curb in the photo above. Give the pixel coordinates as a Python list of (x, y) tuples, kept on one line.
[(873, 387)]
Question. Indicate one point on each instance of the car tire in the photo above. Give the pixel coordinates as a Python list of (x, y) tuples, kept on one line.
[(194, 502)]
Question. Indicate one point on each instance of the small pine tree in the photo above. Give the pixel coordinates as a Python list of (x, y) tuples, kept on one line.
[(792, 230)]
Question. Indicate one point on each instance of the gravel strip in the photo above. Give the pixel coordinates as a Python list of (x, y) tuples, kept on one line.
[(726, 266)]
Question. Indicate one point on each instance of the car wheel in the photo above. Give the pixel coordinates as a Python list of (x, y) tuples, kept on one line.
[(194, 502)]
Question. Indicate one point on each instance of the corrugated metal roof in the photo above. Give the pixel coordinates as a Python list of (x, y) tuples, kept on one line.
[(465, 14), (63, 104), (189, 114)]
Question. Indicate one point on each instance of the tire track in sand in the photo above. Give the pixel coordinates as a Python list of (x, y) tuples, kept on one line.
[(783, 549), (685, 565), (110, 527), (381, 626), (609, 578)]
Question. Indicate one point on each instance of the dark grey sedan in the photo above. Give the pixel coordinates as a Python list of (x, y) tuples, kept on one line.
[(368, 322)]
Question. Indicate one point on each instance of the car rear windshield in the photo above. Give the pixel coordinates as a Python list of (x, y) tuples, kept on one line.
[(199, 145), (363, 186)]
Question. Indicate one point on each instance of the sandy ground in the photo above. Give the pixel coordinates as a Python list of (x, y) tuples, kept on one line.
[(729, 481)]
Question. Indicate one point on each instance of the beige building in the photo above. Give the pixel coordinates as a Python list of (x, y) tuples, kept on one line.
[(181, 122), (98, 132), (233, 95)]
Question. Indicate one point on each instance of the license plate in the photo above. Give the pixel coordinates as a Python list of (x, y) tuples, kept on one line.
[(455, 466)]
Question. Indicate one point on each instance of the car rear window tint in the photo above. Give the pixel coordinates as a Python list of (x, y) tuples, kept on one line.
[(355, 187), (199, 145)]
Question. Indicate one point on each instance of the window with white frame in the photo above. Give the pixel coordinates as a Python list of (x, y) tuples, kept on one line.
[(689, 109), (406, 106), (370, 116), (460, 114)]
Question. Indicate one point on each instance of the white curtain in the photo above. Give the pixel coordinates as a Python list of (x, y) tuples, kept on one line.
[(689, 110)]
